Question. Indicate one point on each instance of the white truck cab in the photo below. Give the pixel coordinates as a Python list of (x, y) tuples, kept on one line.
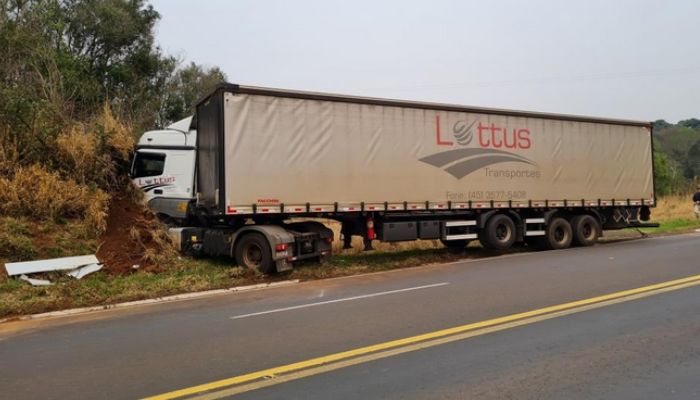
[(164, 166)]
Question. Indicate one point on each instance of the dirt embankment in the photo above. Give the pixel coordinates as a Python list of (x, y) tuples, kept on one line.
[(133, 237)]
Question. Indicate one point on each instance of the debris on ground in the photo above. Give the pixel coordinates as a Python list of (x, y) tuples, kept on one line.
[(35, 282), (77, 267), (85, 270), (49, 265)]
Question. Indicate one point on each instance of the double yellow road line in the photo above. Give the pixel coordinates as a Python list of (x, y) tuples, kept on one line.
[(273, 376)]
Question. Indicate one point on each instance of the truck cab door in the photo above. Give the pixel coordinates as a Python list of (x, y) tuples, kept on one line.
[(148, 172), (166, 177)]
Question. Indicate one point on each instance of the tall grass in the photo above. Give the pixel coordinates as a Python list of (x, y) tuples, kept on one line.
[(95, 152), (673, 207), (39, 194), (78, 170)]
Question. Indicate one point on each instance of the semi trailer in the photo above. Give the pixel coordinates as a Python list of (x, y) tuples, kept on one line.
[(252, 172)]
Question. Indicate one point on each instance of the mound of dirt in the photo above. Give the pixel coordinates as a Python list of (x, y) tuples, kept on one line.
[(133, 237)]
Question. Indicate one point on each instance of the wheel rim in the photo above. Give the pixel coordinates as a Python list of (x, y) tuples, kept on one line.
[(252, 254), (503, 233), (587, 231), (559, 234)]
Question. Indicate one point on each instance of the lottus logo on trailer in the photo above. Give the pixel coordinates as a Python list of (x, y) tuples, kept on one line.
[(465, 158)]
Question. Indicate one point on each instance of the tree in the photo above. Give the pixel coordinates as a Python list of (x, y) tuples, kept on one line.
[(692, 163), (187, 85), (660, 125), (666, 177), (75, 55), (692, 123), (108, 45), (676, 141)]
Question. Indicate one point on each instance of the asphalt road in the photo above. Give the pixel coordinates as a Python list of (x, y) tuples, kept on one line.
[(647, 347)]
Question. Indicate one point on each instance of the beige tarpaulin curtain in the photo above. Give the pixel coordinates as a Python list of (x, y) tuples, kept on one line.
[(297, 151)]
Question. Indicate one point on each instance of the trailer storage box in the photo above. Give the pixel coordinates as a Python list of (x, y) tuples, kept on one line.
[(272, 151)]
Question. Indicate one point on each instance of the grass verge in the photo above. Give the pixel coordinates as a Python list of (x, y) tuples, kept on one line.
[(676, 225), (19, 298)]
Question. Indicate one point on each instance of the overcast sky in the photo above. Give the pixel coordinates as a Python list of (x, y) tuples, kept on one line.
[(623, 58)]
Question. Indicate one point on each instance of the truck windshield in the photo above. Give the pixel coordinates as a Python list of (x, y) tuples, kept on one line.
[(148, 164)]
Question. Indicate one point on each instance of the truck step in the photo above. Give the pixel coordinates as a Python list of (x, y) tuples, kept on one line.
[(450, 224), (461, 237), (534, 233), (534, 220)]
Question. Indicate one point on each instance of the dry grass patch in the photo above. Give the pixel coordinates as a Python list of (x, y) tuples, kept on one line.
[(36, 193), (676, 207), (94, 152)]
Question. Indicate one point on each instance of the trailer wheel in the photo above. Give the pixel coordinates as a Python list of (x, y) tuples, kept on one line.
[(253, 252), (558, 234), (499, 233), (586, 230), (455, 244)]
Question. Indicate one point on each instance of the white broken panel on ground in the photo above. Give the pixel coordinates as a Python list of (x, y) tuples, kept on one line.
[(52, 264), (85, 270), (35, 282)]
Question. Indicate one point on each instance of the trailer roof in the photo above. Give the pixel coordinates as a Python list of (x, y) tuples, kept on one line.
[(255, 90)]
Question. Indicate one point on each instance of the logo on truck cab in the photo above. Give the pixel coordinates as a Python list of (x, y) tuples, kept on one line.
[(148, 184), (465, 158)]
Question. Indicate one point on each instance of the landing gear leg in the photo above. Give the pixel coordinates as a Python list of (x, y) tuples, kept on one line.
[(346, 231)]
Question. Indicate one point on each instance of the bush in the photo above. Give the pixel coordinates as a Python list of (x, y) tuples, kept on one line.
[(37, 193), (96, 152)]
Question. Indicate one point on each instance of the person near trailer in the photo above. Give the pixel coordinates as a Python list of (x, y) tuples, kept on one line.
[(350, 227), (696, 203)]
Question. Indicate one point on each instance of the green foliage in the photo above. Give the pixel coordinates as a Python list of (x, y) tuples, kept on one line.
[(675, 141), (692, 123), (187, 86), (691, 167), (677, 155), (660, 124), (668, 179)]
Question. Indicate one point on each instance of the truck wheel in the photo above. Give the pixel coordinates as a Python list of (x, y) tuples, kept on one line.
[(558, 234), (253, 252), (586, 230), (455, 244), (499, 233)]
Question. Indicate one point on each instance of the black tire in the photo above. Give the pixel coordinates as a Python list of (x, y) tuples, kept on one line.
[(253, 252), (586, 230), (499, 233), (455, 244), (558, 234)]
